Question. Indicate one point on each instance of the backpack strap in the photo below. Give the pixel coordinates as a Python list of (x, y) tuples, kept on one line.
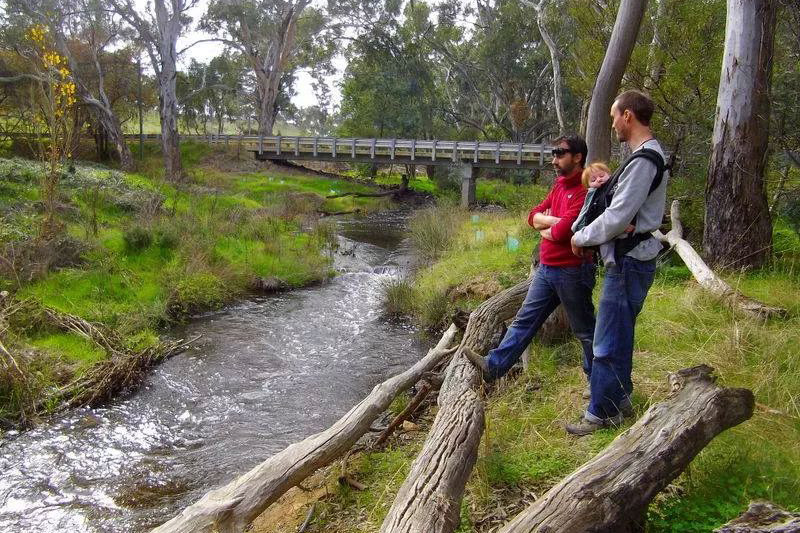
[(623, 246)]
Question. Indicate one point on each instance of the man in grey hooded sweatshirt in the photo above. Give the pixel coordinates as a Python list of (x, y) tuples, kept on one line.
[(628, 274)]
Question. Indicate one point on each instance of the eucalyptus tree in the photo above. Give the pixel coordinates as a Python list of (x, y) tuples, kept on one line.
[(211, 92), (389, 87), (609, 78), (158, 28), (738, 231), (496, 78), (275, 37), (83, 31)]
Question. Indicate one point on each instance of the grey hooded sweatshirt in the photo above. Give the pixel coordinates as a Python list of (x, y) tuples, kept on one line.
[(630, 200)]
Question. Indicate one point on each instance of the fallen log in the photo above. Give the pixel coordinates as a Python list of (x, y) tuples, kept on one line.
[(364, 194), (424, 389), (707, 278), (429, 500), (231, 508), (763, 517), (612, 491)]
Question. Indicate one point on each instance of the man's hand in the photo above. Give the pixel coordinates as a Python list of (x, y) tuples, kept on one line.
[(547, 234), (544, 220), (577, 250)]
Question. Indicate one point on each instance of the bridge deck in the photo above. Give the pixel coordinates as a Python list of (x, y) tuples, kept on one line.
[(422, 152)]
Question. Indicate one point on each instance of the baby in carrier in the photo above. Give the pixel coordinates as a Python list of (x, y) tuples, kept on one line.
[(593, 177)]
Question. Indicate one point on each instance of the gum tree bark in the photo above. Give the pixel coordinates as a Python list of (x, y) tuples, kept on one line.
[(231, 508), (738, 231), (265, 32), (555, 62), (430, 499), (612, 491), (158, 34), (618, 53)]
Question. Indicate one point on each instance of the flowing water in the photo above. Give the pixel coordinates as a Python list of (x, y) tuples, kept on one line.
[(265, 373)]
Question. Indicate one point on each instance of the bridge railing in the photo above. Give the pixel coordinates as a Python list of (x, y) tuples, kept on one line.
[(344, 148)]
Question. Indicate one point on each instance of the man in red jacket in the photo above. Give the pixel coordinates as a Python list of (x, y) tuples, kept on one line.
[(562, 278)]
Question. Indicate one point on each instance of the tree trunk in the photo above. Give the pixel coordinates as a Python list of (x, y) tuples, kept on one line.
[(269, 69), (556, 64), (653, 60), (584, 116), (738, 231), (113, 131), (706, 277), (763, 517), (612, 491), (623, 37), (231, 508), (430, 499)]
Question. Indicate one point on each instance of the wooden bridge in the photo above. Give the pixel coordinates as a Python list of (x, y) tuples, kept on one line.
[(467, 155)]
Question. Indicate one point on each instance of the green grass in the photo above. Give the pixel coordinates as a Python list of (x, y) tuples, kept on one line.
[(73, 348), (154, 252), (524, 446)]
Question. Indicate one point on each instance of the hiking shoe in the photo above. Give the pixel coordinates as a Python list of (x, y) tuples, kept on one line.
[(586, 427), (478, 361), (626, 409), (587, 392)]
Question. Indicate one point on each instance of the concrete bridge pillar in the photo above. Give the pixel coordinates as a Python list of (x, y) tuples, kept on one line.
[(468, 175)]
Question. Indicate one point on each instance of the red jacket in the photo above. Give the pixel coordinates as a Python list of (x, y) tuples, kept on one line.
[(565, 201)]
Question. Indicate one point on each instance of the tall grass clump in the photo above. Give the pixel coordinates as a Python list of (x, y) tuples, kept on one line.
[(397, 297), (434, 229)]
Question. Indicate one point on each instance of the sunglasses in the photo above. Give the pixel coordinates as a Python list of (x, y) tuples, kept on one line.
[(558, 152)]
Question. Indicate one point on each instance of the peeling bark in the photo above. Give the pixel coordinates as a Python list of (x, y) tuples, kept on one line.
[(430, 499), (763, 517), (612, 491), (738, 231)]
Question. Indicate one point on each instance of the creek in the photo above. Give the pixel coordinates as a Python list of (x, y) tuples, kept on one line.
[(266, 372)]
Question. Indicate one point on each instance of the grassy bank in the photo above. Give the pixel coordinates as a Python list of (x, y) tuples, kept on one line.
[(525, 449), (137, 253)]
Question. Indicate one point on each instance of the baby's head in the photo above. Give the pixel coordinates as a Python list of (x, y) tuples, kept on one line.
[(595, 175)]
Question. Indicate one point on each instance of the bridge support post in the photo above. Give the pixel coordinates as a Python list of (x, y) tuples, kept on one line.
[(468, 175)]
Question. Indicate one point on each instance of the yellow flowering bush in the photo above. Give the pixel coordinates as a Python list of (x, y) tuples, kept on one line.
[(52, 124)]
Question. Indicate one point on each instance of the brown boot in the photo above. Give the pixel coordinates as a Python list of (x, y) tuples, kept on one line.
[(478, 361)]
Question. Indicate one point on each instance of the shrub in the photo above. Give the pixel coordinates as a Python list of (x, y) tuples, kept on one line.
[(433, 230), (434, 310), (790, 209), (195, 293), (166, 237), (136, 238), (447, 178), (397, 297)]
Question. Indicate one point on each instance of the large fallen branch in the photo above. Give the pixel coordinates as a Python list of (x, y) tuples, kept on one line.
[(707, 278), (232, 507), (612, 491), (363, 194), (763, 517), (430, 499)]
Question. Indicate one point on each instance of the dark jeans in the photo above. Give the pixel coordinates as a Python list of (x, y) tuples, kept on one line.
[(624, 289), (571, 286)]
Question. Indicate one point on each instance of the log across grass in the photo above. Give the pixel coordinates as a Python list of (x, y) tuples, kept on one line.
[(138, 253), (525, 451)]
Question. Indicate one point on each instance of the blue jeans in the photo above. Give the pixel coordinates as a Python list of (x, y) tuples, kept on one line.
[(551, 285), (624, 289)]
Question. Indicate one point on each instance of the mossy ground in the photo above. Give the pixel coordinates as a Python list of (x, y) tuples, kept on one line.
[(148, 252), (525, 449)]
